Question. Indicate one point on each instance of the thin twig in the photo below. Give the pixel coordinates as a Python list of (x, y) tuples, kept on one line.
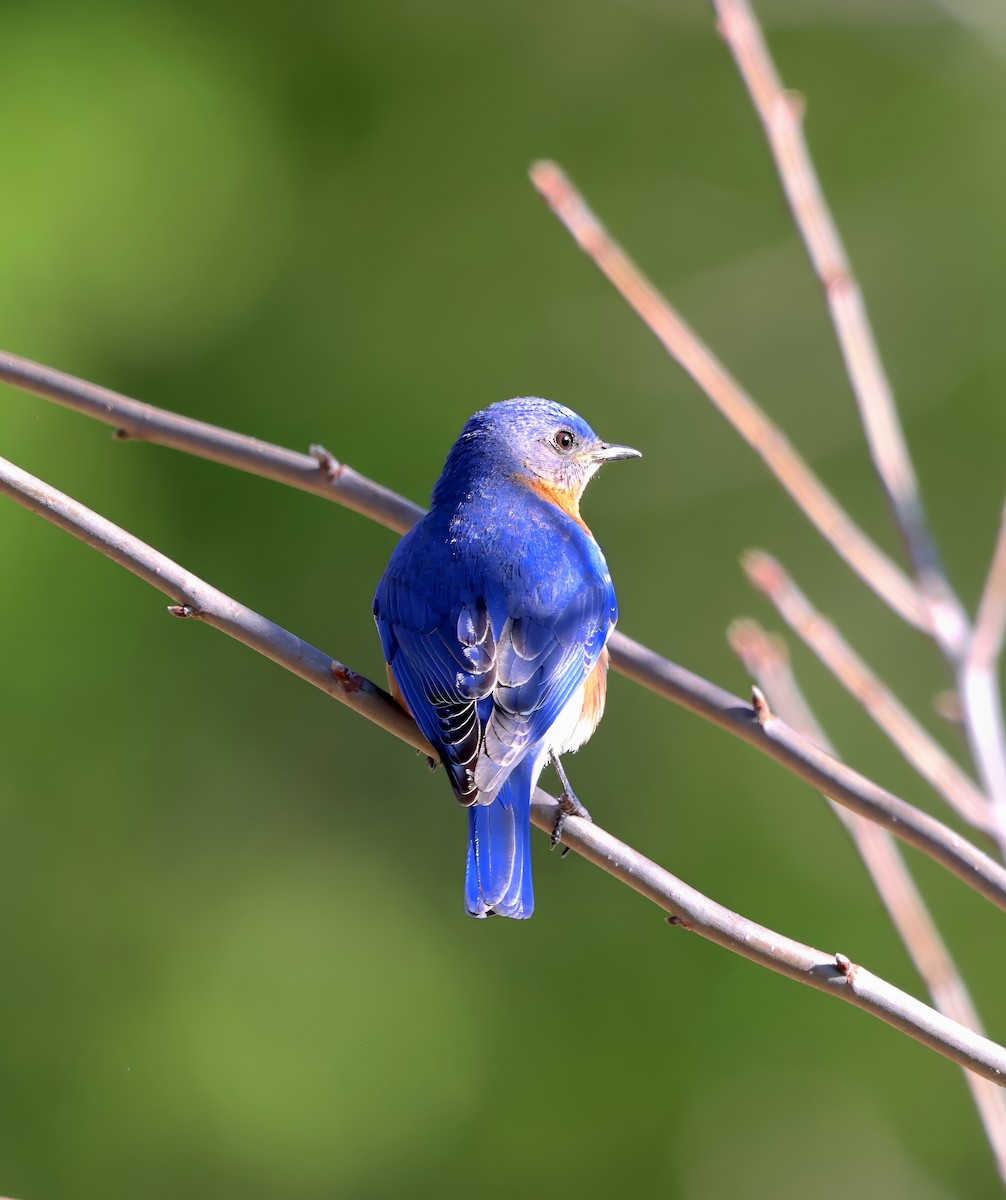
[(198, 600), (915, 743), (990, 625), (781, 115), (766, 659), (774, 738), (833, 973), (135, 421), (803, 757), (978, 682), (872, 565)]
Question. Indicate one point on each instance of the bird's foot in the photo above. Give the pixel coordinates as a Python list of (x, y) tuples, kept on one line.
[(569, 806)]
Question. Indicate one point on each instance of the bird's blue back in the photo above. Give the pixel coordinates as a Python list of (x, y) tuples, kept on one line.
[(492, 613)]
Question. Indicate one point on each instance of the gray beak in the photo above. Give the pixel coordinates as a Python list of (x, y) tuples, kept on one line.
[(606, 453)]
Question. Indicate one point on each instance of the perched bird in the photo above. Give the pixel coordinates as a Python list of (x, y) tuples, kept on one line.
[(493, 613)]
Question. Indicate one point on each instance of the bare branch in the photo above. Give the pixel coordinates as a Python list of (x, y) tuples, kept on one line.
[(833, 973), (773, 738), (978, 686), (990, 625), (133, 420), (684, 345), (932, 606), (198, 600), (781, 114), (768, 662), (915, 743)]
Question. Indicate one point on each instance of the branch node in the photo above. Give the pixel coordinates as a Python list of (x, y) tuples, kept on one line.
[(762, 712), (348, 680), (846, 967), (569, 206), (836, 280), (121, 435), (327, 462), (182, 611), (726, 27), (947, 704), (796, 102), (763, 570)]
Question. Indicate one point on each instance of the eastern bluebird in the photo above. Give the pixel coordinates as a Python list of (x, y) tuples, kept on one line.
[(494, 612)]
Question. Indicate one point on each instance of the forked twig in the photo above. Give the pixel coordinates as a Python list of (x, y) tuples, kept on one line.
[(972, 655), (780, 741), (990, 625), (767, 661), (869, 562), (978, 683), (925, 754), (833, 973), (781, 115)]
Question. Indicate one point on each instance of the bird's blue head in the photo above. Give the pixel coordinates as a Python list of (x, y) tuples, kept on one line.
[(544, 445)]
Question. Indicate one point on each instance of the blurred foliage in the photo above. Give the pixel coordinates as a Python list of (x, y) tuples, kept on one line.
[(235, 957)]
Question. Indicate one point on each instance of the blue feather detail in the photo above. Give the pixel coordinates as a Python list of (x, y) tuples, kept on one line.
[(498, 877)]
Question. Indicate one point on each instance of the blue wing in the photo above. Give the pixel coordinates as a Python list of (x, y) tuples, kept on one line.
[(487, 660)]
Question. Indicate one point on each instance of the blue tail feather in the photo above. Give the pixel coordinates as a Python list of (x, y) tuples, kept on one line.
[(498, 877)]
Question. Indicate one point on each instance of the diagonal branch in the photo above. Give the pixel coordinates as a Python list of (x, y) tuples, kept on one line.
[(934, 609), (773, 737), (781, 114), (925, 754), (834, 524), (833, 973), (990, 625), (978, 683), (135, 421), (766, 659), (196, 599)]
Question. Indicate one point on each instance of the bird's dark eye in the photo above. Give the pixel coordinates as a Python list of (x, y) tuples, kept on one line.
[(564, 439)]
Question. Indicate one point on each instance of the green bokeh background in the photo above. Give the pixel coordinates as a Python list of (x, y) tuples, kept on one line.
[(235, 958)]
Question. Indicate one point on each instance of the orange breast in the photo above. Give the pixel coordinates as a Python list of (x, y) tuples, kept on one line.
[(595, 690), (562, 498)]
